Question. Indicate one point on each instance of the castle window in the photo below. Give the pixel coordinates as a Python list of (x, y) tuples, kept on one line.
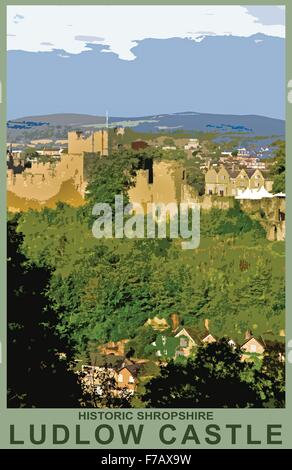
[(148, 165), (281, 216)]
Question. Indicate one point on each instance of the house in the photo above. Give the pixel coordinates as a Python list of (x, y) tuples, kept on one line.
[(243, 152), (123, 370), (189, 338), (127, 377), (50, 152), (252, 345), (227, 181), (193, 144), (157, 323), (139, 145), (119, 130), (115, 348)]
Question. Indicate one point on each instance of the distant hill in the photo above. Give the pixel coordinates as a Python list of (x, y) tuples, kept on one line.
[(63, 119), (251, 125)]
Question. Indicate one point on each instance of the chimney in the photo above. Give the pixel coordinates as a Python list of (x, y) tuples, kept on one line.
[(175, 321), (206, 324), (248, 334)]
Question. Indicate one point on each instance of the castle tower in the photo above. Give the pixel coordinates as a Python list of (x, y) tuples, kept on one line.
[(96, 142)]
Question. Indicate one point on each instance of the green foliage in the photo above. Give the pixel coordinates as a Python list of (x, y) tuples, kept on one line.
[(212, 379), (169, 142), (29, 152), (39, 360), (229, 222), (111, 176), (165, 345), (278, 169), (269, 381), (218, 378), (140, 345), (195, 176), (106, 289)]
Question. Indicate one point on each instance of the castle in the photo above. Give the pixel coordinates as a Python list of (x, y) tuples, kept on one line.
[(44, 183)]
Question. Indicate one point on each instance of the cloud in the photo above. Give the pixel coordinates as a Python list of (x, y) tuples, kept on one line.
[(122, 27), (17, 18), (88, 38)]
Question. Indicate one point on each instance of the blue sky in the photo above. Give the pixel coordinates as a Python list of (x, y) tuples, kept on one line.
[(139, 60)]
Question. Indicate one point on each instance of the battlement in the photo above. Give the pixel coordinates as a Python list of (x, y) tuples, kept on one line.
[(93, 142), (43, 180)]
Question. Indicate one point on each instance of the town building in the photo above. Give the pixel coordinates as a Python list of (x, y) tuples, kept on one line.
[(115, 348), (189, 338), (119, 130), (227, 181), (123, 370), (252, 345), (193, 144), (243, 152), (49, 152), (139, 145), (127, 377)]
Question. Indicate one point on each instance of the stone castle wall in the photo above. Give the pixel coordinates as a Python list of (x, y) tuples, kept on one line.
[(95, 142), (43, 180), (160, 184)]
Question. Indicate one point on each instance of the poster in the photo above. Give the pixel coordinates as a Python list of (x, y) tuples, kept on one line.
[(143, 276)]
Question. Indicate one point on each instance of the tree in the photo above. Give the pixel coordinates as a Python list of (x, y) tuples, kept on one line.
[(270, 380), (29, 152), (214, 378), (278, 170), (111, 176), (195, 176), (169, 142), (39, 361)]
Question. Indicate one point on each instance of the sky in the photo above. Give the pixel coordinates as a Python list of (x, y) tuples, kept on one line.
[(62, 38)]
